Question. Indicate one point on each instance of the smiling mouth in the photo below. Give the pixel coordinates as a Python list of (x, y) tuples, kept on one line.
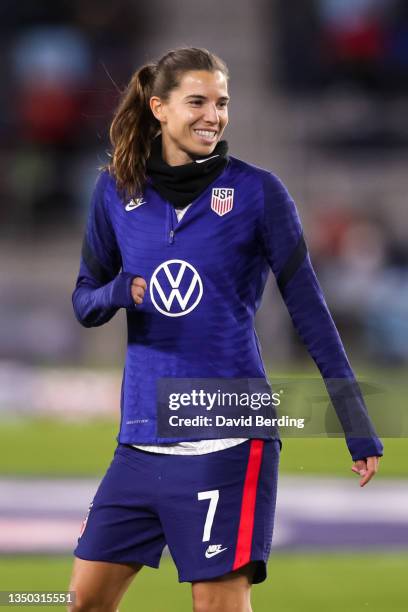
[(207, 134)]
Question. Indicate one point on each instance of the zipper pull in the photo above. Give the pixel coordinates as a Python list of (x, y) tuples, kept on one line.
[(171, 237)]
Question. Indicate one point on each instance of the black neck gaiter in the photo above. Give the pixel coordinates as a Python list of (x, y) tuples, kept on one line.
[(180, 185)]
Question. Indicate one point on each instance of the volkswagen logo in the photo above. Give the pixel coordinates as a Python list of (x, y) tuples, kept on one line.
[(175, 288)]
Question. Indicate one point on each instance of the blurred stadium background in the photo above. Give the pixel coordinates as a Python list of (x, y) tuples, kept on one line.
[(319, 95)]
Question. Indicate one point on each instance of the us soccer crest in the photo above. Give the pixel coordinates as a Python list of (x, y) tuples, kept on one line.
[(222, 200)]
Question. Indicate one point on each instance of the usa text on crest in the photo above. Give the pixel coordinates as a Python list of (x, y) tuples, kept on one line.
[(222, 200)]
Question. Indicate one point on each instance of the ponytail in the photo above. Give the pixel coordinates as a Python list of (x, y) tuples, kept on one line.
[(131, 133)]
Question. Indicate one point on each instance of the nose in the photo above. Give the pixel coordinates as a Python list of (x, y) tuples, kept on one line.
[(211, 114)]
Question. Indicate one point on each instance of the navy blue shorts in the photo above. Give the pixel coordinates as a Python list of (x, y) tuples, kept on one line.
[(214, 511)]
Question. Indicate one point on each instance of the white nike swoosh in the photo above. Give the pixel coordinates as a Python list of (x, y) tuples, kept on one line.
[(132, 205), (200, 161), (216, 552)]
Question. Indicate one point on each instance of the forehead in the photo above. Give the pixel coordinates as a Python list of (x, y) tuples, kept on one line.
[(202, 82)]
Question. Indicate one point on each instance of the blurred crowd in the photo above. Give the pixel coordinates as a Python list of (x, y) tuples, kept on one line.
[(364, 270), (361, 42), (66, 63), (64, 66)]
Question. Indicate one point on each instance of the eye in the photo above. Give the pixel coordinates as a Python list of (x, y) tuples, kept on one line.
[(196, 102)]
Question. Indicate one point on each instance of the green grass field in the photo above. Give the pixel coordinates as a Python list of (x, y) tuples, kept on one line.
[(373, 581), (86, 448), (308, 582)]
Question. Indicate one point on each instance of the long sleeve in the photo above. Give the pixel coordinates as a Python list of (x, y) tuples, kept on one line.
[(101, 289), (288, 257)]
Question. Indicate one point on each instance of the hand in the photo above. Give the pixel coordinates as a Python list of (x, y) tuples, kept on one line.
[(366, 468), (138, 289)]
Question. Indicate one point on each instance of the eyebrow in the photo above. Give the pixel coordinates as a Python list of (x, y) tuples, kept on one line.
[(205, 98)]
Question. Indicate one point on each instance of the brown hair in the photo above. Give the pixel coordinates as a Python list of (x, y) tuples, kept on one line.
[(134, 126)]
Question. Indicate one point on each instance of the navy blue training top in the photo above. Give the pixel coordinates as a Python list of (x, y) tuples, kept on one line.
[(205, 276)]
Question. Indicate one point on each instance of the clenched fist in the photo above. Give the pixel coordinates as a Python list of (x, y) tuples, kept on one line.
[(138, 289)]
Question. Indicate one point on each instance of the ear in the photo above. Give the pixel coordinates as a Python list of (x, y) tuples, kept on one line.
[(158, 109)]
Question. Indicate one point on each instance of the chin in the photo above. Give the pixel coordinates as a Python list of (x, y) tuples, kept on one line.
[(206, 148), (197, 149)]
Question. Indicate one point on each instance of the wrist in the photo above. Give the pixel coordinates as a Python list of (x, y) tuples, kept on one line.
[(122, 290)]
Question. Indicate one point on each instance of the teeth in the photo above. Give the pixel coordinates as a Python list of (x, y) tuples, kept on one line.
[(205, 133)]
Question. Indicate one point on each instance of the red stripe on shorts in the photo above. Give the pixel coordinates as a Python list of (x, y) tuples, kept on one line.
[(246, 521)]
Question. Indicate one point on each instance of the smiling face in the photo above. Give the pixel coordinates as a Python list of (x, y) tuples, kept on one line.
[(194, 117)]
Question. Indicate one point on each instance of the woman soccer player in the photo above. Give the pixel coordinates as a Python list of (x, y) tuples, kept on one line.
[(182, 236)]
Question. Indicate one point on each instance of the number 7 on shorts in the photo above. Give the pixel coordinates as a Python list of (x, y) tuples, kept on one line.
[(213, 496)]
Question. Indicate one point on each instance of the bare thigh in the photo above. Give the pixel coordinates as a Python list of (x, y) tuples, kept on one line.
[(228, 593), (99, 586)]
